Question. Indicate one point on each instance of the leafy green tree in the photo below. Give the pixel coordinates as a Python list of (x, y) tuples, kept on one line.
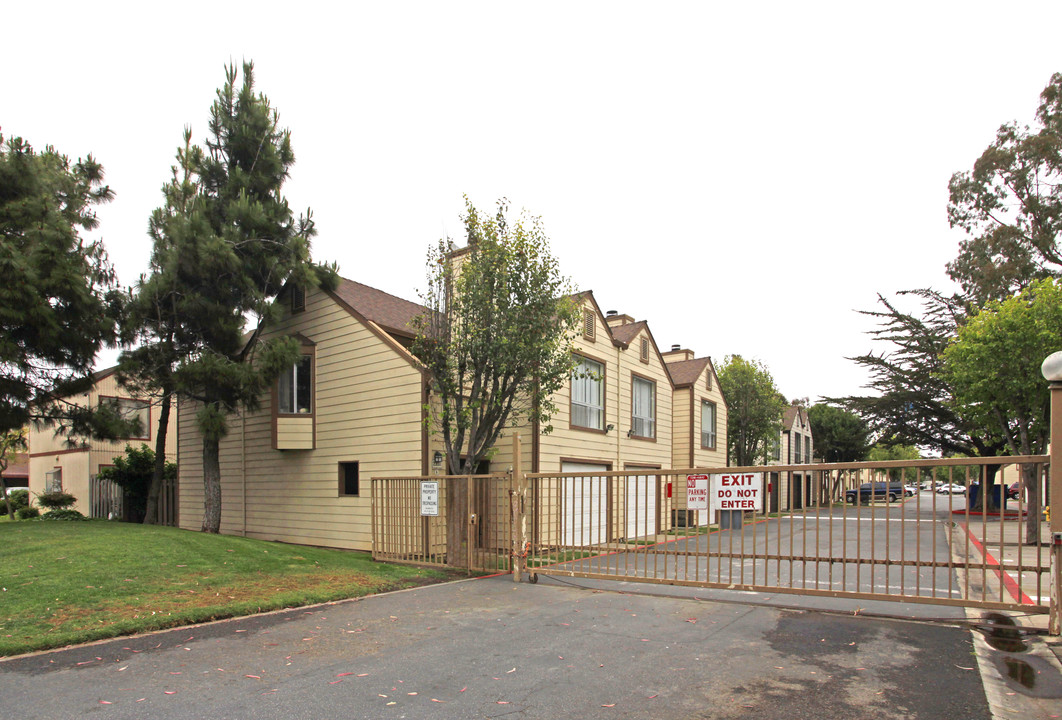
[(58, 303), (754, 409), (1010, 205), (840, 436), (133, 472), (225, 244), (11, 442), (881, 452), (496, 339), (993, 367)]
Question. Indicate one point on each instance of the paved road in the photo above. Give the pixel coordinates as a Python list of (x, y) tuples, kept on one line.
[(491, 649)]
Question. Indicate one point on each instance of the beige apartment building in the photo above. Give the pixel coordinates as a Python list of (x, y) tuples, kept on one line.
[(61, 462), (299, 469), (796, 446)]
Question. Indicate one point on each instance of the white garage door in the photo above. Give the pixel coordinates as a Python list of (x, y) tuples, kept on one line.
[(584, 504), (640, 506)]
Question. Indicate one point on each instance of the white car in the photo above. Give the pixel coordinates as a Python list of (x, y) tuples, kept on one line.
[(951, 489), (910, 490)]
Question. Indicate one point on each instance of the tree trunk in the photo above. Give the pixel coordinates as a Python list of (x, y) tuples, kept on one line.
[(986, 502), (3, 495), (456, 522), (211, 483), (1032, 503), (151, 513)]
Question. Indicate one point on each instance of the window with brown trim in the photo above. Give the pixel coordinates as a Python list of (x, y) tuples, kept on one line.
[(131, 409), (349, 482), (295, 388), (588, 398), (708, 425), (589, 324), (643, 407)]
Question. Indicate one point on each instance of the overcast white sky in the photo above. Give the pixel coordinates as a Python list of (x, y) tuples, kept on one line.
[(744, 176)]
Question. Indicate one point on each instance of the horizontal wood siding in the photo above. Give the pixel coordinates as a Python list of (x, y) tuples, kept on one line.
[(367, 406), (83, 460)]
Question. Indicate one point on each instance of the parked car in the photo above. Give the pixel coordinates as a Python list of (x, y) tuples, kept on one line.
[(1014, 491), (910, 490), (891, 491), (951, 489)]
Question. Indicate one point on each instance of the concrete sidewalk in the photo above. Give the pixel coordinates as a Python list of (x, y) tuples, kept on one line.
[(491, 648)]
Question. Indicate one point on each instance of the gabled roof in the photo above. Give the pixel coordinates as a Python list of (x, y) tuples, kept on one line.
[(623, 334), (391, 313), (791, 414), (687, 372)]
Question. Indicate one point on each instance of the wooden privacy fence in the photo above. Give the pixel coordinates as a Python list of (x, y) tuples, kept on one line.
[(107, 501)]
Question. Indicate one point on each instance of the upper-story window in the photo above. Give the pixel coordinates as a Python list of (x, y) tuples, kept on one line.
[(133, 410), (588, 403), (707, 425), (643, 408), (807, 449), (644, 354), (295, 388)]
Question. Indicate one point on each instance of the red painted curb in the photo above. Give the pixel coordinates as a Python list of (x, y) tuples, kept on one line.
[(1008, 582)]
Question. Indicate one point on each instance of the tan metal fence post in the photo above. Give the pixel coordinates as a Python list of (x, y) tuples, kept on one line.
[(1052, 371), (518, 488)]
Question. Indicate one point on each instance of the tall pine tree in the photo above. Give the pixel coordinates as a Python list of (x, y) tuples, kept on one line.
[(225, 244)]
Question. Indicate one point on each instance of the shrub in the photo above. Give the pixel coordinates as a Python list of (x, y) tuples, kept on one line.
[(18, 499), (27, 513), (63, 514), (57, 500)]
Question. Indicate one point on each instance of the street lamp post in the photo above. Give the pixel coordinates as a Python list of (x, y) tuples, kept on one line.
[(1052, 372)]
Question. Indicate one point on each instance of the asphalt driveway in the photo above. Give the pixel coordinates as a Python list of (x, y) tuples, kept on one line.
[(491, 648)]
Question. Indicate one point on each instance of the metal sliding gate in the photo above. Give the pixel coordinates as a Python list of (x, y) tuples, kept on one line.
[(932, 544)]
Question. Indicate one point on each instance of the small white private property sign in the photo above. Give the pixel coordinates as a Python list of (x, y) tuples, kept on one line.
[(743, 491), (697, 492), (429, 497)]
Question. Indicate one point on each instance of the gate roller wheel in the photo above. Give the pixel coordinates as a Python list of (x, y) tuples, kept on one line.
[(533, 579)]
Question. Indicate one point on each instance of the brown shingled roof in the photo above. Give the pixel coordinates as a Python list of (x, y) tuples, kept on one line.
[(790, 416), (623, 334), (687, 372), (389, 312), (17, 467)]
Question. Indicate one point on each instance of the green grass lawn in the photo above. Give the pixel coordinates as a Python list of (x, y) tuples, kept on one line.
[(71, 582)]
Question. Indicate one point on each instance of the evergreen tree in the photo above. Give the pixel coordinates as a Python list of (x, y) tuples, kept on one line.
[(225, 244), (58, 302)]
